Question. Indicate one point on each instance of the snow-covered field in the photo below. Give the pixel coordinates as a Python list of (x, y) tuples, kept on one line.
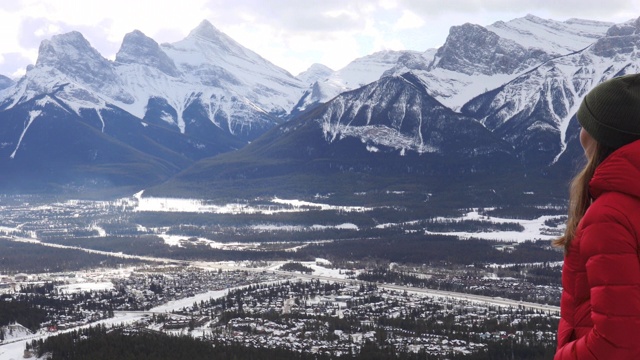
[(13, 346), (84, 286), (274, 206), (533, 229)]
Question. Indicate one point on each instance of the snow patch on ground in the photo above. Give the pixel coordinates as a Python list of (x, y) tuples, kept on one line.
[(84, 286), (533, 229), (14, 331), (201, 206)]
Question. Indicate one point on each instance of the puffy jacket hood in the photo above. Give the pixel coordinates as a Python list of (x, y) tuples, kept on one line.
[(619, 172)]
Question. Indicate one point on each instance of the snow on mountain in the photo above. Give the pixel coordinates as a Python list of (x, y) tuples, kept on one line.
[(357, 73), (210, 58), (511, 87), (523, 82), (69, 67), (316, 72), (546, 98), (163, 106), (552, 37), (237, 90), (395, 113), (366, 69), (475, 59), (73, 56), (137, 48)]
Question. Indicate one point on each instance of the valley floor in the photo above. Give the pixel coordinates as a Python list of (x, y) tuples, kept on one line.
[(321, 306)]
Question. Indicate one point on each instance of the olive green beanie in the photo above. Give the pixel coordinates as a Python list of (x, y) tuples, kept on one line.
[(610, 112)]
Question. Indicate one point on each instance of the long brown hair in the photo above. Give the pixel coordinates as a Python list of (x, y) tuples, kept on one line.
[(579, 197)]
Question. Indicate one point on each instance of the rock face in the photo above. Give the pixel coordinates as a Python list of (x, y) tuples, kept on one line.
[(620, 40), (482, 106), (71, 56), (171, 104), (492, 100), (472, 49), (137, 48)]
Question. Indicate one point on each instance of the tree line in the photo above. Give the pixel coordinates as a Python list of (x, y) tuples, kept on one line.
[(18, 257)]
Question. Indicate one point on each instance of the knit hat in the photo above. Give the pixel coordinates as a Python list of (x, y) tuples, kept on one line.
[(610, 112)]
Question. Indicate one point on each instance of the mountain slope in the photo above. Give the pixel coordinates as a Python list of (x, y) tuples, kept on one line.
[(552, 37), (535, 111), (316, 72), (475, 59), (171, 103), (388, 134), (395, 132), (5, 82), (357, 73), (61, 150), (491, 106)]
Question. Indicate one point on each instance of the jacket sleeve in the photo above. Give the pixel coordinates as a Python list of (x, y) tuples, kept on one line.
[(609, 246)]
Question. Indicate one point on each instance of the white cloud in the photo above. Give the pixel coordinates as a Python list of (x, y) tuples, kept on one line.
[(409, 20), (292, 34)]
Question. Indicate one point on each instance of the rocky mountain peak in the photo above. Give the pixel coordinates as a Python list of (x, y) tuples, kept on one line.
[(509, 88), (314, 73), (411, 62), (67, 50), (137, 48), (72, 56), (625, 29), (620, 39), (471, 48), (205, 30), (210, 44)]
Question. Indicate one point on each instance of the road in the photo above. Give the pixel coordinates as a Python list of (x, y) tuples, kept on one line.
[(13, 349), (215, 266), (441, 293)]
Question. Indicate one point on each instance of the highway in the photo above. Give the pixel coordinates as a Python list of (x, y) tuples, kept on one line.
[(225, 266), (441, 293)]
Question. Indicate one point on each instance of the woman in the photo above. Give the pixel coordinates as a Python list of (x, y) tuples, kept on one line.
[(600, 306)]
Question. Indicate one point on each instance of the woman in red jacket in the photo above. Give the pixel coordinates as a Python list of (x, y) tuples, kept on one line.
[(600, 306)]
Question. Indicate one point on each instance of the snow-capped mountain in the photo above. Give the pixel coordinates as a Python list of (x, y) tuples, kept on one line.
[(210, 57), (358, 73), (534, 111), (475, 59), (316, 72), (552, 37), (237, 89), (483, 104), (492, 100), (389, 129), (179, 102)]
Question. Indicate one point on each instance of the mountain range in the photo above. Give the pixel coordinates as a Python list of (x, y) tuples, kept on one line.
[(492, 110)]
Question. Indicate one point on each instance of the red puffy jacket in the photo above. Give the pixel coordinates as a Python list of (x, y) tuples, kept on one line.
[(600, 306)]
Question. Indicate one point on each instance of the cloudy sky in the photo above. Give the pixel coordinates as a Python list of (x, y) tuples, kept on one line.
[(292, 34)]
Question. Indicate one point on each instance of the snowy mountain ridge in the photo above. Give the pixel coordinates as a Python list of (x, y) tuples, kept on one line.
[(553, 37), (475, 59), (509, 89), (547, 97), (165, 106), (206, 67), (521, 88), (531, 40), (359, 72)]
